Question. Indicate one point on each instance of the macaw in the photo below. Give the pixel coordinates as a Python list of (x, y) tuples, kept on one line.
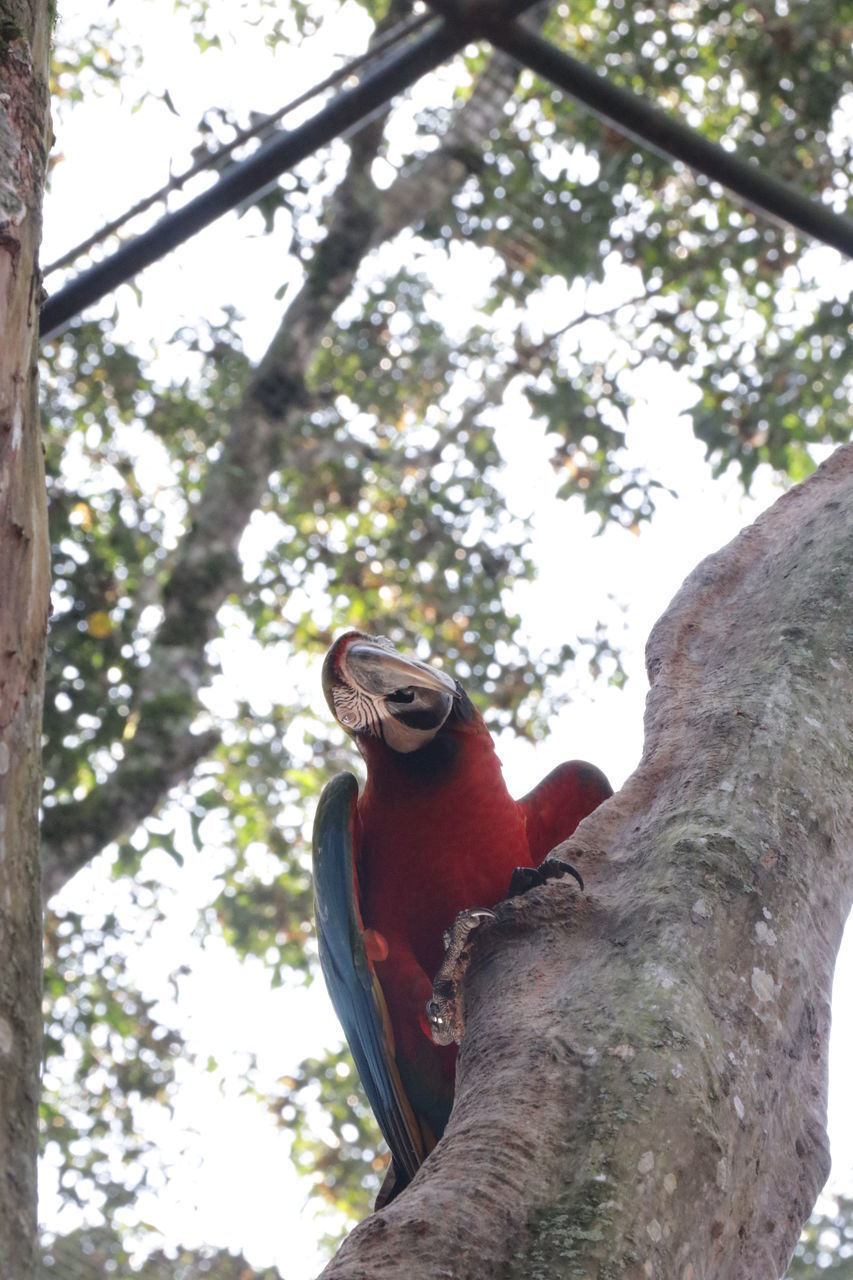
[(434, 832)]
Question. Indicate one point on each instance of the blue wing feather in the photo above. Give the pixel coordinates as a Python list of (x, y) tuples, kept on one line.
[(350, 978)]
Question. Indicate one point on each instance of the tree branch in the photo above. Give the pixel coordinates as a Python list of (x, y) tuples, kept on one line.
[(642, 1083), (268, 430)]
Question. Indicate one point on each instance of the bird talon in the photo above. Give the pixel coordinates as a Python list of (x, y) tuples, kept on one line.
[(525, 878), (443, 1009), (555, 869)]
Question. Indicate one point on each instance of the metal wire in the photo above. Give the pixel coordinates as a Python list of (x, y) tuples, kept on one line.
[(259, 130), (462, 23), (253, 175)]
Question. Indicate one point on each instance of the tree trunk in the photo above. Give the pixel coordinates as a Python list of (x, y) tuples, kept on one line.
[(642, 1083), (24, 606)]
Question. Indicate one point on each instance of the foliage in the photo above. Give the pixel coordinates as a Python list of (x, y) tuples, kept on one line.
[(86, 1253), (369, 480), (347, 1171), (106, 1053), (93, 63)]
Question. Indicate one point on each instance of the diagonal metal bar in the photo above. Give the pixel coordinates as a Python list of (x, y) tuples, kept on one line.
[(463, 22), (654, 128), (248, 177)]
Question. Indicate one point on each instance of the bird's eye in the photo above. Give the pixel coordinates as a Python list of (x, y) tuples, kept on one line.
[(402, 695)]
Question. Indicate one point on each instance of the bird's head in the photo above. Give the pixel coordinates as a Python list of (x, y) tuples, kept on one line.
[(375, 692)]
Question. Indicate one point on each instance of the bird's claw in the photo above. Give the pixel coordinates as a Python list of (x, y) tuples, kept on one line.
[(444, 1008), (526, 878)]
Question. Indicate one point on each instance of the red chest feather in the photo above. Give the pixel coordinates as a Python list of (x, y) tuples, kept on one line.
[(440, 833)]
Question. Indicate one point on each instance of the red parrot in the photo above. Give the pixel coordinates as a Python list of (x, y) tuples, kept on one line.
[(434, 832)]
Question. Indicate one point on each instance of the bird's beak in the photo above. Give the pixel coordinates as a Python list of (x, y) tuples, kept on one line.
[(382, 671), (376, 692)]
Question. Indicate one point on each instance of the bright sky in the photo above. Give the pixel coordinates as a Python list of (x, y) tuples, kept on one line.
[(231, 1183)]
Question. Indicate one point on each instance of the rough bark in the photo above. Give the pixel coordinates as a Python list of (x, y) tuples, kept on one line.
[(270, 429), (24, 604), (642, 1083)]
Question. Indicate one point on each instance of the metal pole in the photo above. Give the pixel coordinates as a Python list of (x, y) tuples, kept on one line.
[(654, 128), (394, 74)]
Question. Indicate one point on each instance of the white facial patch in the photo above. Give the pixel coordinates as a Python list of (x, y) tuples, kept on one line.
[(355, 710)]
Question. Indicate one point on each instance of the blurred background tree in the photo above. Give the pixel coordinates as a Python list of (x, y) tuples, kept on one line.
[(483, 242)]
